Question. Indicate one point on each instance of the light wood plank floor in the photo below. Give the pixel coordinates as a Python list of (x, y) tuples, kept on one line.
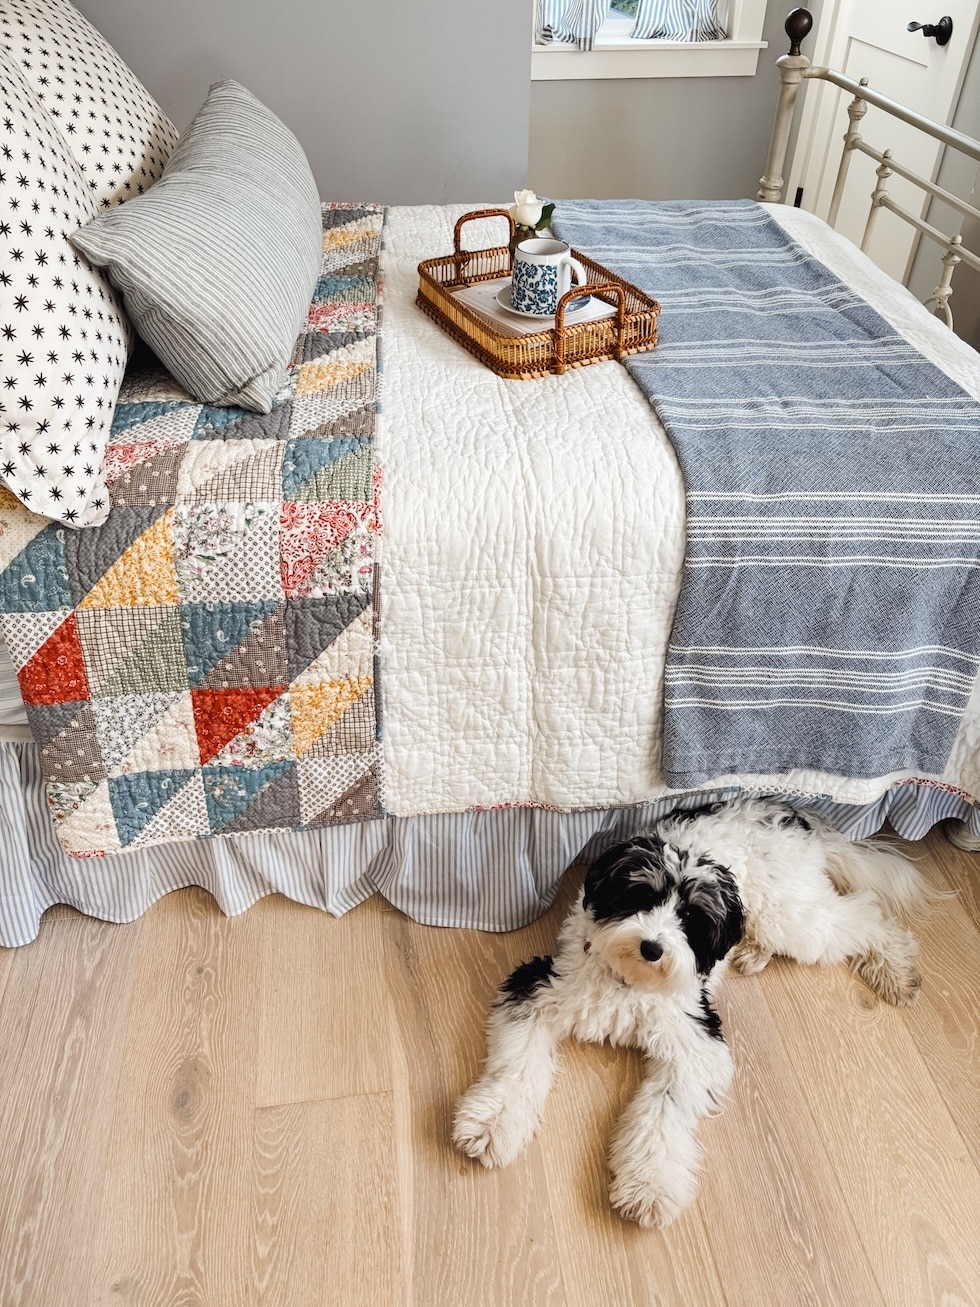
[(204, 1112)]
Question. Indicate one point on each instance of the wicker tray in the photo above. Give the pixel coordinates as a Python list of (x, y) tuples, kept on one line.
[(553, 349)]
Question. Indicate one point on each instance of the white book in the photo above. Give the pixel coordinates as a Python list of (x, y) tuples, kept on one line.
[(482, 297)]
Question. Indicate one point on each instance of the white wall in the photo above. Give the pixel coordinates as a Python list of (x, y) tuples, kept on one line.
[(395, 101)]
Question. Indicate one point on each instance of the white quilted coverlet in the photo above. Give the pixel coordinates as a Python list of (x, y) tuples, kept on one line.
[(533, 540)]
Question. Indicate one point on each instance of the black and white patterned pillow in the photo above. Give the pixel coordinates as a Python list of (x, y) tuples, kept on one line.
[(64, 337), (118, 134)]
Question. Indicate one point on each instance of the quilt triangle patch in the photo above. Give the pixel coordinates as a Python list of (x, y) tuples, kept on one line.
[(170, 742), (212, 420), (92, 552), (258, 426), (358, 421), (143, 412), (275, 805), (312, 625), (213, 631), (305, 458), (17, 527), (327, 783), (48, 720), (317, 705), (260, 659), (348, 478), (230, 790), (219, 471), (220, 715), (337, 369), (56, 673), (127, 455), (267, 738), (72, 753), (36, 579), (24, 633), (183, 817), (155, 663), (152, 482), (144, 575), (125, 720), (351, 653), (309, 533), (90, 827), (355, 732), (136, 799)]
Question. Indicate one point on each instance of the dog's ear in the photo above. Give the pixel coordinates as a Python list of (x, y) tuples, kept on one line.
[(628, 878), (710, 911)]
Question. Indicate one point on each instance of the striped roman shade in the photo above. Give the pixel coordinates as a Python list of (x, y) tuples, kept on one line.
[(218, 261)]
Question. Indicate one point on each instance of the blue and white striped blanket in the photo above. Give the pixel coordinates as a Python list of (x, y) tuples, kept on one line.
[(829, 614)]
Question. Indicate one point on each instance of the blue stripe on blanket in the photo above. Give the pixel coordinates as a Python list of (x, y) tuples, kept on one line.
[(829, 614)]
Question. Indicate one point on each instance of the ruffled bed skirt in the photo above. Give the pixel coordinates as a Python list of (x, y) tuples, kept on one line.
[(489, 870)]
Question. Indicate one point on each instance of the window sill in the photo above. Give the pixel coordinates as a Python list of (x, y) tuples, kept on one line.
[(558, 63)]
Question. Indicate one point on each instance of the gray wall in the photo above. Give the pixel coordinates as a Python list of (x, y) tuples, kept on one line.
[(393, 101), (660, 138)]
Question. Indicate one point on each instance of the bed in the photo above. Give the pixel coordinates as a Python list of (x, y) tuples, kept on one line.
[(479, 580)]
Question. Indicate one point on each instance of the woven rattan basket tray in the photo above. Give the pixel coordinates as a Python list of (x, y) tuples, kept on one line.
[(553, 349)]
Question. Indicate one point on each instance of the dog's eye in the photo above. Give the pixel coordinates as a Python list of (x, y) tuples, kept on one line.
[(587, 946)]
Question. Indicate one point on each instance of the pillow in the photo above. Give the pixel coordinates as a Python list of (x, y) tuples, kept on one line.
[(64, 338), (117, 133), (218, 261)]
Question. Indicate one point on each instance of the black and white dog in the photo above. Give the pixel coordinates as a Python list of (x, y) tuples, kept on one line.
[(640, 956)]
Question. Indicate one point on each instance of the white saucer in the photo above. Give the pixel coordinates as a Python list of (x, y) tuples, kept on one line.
[(503, 297)]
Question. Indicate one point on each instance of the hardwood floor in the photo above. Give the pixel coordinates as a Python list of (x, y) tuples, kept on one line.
[(203, 1111)]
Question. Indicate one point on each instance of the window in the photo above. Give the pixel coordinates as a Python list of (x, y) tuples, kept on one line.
[(616, 54)]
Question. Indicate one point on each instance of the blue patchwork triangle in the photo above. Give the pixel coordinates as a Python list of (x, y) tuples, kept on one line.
[(137, 798), (212, 631), (305, 458), (133, 415), (211, 419), (36, 580), (230, 790)]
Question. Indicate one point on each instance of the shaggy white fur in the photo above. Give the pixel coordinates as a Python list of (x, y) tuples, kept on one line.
[(640, 956)]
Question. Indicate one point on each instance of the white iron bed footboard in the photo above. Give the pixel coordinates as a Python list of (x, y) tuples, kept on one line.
[(794, 69)]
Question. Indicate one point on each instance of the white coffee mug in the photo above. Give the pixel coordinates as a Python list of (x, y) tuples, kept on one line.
[(542, 274)]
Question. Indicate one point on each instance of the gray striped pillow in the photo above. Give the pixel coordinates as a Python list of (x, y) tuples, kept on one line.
[(218, 261)]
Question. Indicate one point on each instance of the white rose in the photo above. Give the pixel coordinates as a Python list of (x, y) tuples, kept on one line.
[(526, 211)]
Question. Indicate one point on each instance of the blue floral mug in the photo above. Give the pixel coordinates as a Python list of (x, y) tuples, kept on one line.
[(543, 271)]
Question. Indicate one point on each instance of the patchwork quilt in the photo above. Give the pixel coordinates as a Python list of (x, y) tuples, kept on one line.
[(205, 663)]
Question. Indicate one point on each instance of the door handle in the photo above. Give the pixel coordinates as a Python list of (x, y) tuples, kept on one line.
[(942, 30)]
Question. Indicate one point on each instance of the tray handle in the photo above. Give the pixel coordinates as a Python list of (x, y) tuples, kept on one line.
[(576, 292), (463, 257)]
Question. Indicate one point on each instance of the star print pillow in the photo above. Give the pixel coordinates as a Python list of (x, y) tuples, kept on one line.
[(117, 133), (64, 337)]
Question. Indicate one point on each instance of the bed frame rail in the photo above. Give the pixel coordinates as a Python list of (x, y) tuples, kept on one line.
[(794, 68)]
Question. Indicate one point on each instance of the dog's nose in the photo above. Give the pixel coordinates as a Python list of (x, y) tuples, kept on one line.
[(651, 950)]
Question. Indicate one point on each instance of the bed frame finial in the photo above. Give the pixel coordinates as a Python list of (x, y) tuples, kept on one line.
[(792, 69), (798, 23)]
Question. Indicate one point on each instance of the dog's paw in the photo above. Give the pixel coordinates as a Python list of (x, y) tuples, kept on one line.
[(650, 1205), (489, 1129), (898, 984), (749, 957), (892, 970)]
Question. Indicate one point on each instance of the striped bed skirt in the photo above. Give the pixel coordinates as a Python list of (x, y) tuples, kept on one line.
[(491, 870)]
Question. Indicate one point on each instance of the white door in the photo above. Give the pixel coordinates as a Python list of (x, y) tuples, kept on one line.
[(869, 38)]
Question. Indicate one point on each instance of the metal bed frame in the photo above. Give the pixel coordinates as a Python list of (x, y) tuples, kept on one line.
[(794, 69)]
